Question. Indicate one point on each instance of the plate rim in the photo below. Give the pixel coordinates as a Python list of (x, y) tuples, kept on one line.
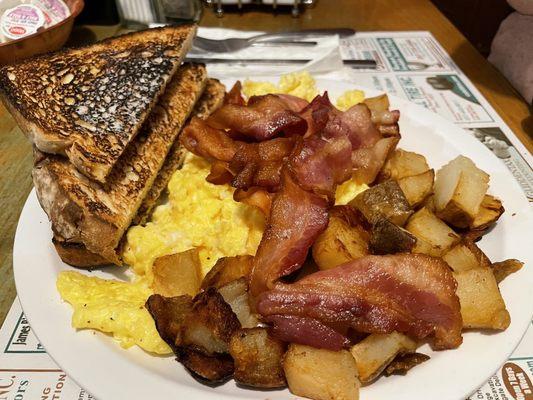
[(193, 391)]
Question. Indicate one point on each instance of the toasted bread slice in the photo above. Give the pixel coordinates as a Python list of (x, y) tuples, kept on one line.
[(96, 215), (76, 254), (211, 99), (89, 103)]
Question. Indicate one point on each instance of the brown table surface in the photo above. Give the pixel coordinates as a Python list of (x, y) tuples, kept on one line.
[(363, 15)]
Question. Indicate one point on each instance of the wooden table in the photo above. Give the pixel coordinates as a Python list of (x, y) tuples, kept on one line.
[(369, 15)]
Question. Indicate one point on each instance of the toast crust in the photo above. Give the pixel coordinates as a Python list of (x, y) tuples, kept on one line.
[(88, 103), (97, 215), (212, 98), (76, 254)]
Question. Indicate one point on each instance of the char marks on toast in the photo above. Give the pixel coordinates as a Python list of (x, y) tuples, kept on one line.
[(211, 99), (89, 103), (97, 215)]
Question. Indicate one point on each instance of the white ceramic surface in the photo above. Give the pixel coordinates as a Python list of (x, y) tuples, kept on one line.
[(107, 371)]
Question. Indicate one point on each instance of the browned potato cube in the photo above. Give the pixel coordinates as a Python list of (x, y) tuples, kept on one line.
[(503, 269), (490, 210), (258, 358), (377, 350), (169, 313), (460, 187), (482, 305), (460, 258), (429, 203), (236, 295), (343, 240), (388, 238), (385, 200), (433, 236), (417, 188), (210, 324), (401, 164), (321, 374), (208, 369), (177, 274), (404, 362), (228, 269)]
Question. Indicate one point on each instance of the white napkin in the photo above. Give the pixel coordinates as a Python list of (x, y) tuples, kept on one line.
[(325, 56)]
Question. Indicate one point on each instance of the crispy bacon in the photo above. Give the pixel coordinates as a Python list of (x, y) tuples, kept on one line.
[(207, 142), (307, 331), (294, 103), (256, 197), (263, 118), (409, 293), (297, 217), (234, 96)]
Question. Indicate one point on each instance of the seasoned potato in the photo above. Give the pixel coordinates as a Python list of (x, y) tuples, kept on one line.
[(321, 374), (461, 258), (177, 274), (417, 188), (388, 238), (258, 358), (404, 362), (433, 236), (210, 369), (169, 313), (482, 305), (503, 269), (385, 200), (401, 164), (490, 210), (377, 350), (228, 269), (210, 324), (429, 203), (236, 295), (460, 187), (343, 240)]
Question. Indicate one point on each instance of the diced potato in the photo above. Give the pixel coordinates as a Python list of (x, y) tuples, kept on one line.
[(321, 374), (378, 103), (401, 164), (417, 188), (177, 274), (460, 187), (482, 305), (429, 203), (211, 369), (433, 236), (490, 210), (228, 269), (258, 358), (377, 350), (343, 240), (236, 295), (210, 324), (388, 238), (503, 269), (385, 200), (461, 258), (169, 314), (405, 362)]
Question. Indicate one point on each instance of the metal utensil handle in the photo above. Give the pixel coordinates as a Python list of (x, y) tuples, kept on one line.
[(342, 32)]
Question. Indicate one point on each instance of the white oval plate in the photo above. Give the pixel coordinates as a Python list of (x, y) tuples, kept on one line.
[(107, 371)]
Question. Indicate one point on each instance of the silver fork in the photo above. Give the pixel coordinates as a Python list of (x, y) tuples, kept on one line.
[(267, 39)]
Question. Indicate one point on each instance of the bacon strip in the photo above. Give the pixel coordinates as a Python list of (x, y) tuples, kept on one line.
[(307, 331), (263, 118), (409, 293), (297, 217)]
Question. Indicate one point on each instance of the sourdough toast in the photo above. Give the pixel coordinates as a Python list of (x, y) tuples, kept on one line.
[(88, 103), (76, 254), (97, 215)]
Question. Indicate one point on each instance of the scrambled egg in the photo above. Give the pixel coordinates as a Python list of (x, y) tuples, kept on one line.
[(113, 307), (197, 214)]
